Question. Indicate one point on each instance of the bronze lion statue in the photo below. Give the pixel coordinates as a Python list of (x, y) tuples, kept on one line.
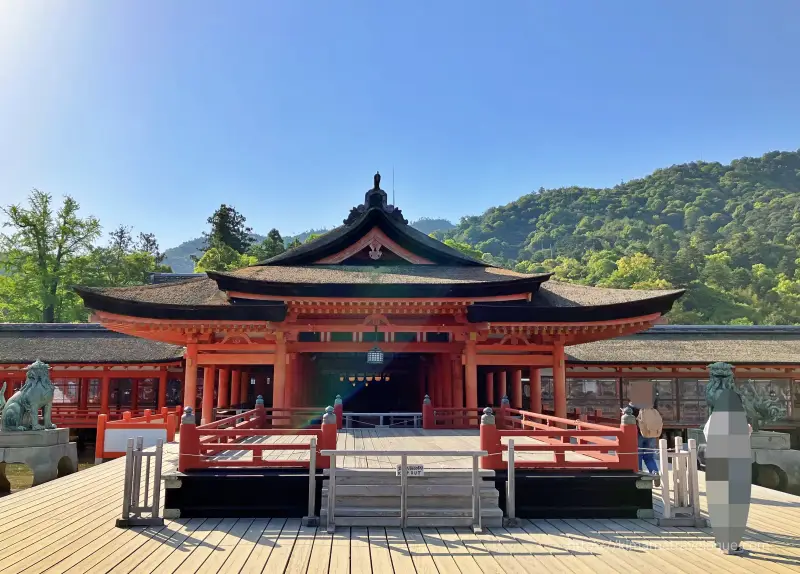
[(21, 411)]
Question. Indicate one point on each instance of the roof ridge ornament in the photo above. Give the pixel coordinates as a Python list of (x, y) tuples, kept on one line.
[(376, 198)]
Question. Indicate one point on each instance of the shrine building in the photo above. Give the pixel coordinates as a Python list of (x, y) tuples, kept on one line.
[(377, 312)]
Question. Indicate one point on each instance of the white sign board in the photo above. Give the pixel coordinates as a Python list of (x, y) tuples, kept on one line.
[(411, 470), (117, 439)]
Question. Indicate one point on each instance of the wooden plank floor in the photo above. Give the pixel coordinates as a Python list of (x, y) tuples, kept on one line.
[(68, 526)]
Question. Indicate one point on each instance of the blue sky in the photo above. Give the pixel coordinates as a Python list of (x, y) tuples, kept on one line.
[(153, 113)]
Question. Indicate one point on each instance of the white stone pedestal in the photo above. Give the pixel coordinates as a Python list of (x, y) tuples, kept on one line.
[(47, 453)]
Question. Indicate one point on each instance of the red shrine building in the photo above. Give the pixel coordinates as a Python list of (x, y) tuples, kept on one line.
[(379, 313)]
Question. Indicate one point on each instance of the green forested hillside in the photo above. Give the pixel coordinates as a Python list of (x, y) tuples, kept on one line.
[(730, 233)]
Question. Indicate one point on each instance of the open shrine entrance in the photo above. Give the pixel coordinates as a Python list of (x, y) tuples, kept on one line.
[(396, 385)]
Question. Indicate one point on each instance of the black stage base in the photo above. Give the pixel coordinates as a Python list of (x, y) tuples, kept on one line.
[(283, 493), (240, 493), (587, 494)]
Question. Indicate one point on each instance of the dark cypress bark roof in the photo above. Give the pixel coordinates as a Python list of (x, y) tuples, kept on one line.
[(79, 343), (703, 344), (415, 281), (564, 302)]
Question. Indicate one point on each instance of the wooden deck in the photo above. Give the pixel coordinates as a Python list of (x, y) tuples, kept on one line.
[(68, 526)]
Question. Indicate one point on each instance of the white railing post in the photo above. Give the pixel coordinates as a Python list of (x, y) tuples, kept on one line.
[(663, 455), (331, 526), (476, 497), (694, 485), (403, 490), (511, 488), (310, 519), (126, 501)]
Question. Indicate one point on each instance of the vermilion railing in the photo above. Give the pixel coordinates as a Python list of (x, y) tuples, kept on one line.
[(227, 442), (112, 436), (449, 417), (600, 446)]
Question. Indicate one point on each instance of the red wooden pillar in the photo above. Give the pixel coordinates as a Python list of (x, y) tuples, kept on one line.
[(290, 388), (105, 393), (235, 387), (536, 390), (502, 389), (190, 377), (224, 388), (83, 394), (559, 381), (516, 388), (471, 372), (244, 385), (279, 377), (162, 389), (458, 381), (208, 395), (490, 389)]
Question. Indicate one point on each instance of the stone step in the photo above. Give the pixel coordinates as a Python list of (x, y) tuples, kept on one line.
[(390, 472), (417, 512), (412, 522), (438, 490), (391, 479), (413, 501)]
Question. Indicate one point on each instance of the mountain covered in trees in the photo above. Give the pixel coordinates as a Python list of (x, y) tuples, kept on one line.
[(728, 233)]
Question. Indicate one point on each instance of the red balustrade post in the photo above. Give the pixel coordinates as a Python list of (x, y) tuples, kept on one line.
[(126, 416), (148, 415), (170, 420), (490, 441), (338, 410), (261, 413), (428, 421), (628, 443), (327, 438), (189, 445)]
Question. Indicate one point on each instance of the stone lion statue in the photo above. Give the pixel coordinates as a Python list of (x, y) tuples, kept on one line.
[(720, 378), (21, 411)]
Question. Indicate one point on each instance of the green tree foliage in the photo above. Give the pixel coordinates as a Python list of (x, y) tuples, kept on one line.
[(40, 255), (730, 234), (47, 253), (223, 258), (464, 248), (271, 246), (227, 228)]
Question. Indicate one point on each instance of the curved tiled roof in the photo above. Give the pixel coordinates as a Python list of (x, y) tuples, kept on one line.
[(79, 343)]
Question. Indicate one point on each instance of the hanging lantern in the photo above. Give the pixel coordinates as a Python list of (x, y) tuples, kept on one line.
[(369, 378), (351, 378), (375, 355), (341, 377), (378, 377), (360, 378), (387, 378)]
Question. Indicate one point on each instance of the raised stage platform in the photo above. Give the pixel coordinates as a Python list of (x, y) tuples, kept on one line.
[(68, 526), (589, 493)]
